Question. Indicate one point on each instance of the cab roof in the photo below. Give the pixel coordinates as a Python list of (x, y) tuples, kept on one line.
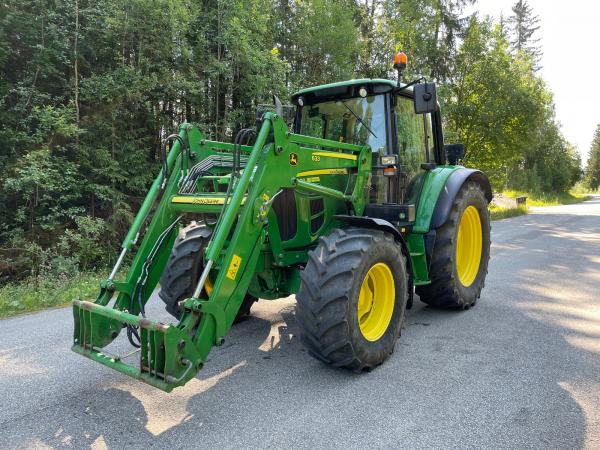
[(343, 89)]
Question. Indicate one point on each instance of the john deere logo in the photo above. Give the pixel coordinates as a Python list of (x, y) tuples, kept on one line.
[(293, 159)]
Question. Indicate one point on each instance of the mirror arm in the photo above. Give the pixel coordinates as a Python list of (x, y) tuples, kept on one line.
[(399, 89)]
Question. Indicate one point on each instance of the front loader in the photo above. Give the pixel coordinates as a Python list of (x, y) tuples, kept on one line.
[(354, 209)]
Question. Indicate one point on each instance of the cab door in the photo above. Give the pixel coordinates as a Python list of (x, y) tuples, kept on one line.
[(412, 142)]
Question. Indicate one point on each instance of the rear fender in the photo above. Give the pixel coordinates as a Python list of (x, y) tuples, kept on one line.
[(450, 191), (438, 192)]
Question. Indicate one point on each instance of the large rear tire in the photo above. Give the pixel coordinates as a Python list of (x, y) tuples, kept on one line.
[(184, 268), (352, 298), (461, 253)]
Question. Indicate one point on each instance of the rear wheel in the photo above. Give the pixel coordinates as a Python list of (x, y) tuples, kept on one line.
[(352, 298), (461, 253), (184, 268)]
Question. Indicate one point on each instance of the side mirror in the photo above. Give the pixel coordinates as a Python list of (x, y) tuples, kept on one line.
[(286, 112), (425, 98), (454, 152)]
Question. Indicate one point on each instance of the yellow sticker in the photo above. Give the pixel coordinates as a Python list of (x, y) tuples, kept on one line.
[(309, 173), (333, 155), (233, 267), (202, 200)]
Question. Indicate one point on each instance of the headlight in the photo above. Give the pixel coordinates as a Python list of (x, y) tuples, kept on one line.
[(389, 160)]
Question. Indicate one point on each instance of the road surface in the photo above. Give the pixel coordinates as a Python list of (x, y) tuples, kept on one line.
[(520, 370)]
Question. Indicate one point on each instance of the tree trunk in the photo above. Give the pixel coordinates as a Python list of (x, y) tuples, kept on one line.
[(76, 70)]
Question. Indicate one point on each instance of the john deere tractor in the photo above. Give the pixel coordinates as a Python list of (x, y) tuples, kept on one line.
[(354, 207)]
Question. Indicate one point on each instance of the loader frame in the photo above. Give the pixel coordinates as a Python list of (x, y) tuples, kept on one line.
[(244, 245)]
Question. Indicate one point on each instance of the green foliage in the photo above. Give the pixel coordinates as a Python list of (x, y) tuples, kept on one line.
[(592, 171), (44, 292), (494, 91), (523, 25), (504, 114), (89, 88)]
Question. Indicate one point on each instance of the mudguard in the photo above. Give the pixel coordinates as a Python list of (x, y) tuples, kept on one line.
[(450, 190), (437, 194)]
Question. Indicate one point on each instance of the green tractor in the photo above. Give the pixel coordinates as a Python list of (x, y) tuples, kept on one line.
[(354, 208)]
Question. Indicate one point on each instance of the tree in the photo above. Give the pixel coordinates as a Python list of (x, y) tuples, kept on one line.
[(592, 172), (493, 102), (523, 25), (88, 90)]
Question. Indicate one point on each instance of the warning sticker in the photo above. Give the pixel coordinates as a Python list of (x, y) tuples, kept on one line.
[(233, 267)]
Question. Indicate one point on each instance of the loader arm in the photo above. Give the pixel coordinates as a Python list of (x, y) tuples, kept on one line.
[(171, 354)]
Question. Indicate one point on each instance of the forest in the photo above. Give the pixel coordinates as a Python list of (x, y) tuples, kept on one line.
[(88, 90)]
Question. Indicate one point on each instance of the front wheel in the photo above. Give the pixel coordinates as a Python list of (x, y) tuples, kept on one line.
[(461, 253), (184, 268), (352, 298)]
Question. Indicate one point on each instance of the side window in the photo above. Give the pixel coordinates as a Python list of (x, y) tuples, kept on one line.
[(411, 129), (313, 124)]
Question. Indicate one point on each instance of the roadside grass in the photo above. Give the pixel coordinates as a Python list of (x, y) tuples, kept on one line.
[(565, 198), (38, 293), (582, 189), (497, 213)]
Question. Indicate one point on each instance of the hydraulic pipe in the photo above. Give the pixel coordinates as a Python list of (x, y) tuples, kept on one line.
[(233, 207), (202, 279), (117, 264)]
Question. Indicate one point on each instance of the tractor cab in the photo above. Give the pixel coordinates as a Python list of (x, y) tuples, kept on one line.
[(401, 124)]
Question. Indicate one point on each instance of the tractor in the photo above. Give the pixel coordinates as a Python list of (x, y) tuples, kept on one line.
[(353, 207)]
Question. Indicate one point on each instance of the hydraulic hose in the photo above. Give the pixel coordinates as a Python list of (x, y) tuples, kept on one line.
[(183, 149), (141, 283)]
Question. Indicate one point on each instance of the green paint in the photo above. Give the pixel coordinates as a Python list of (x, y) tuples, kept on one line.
[(416, 247), (433, 183), (236, 256)]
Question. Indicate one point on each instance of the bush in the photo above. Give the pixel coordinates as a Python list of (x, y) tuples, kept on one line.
[(35, 293), (79, 249)]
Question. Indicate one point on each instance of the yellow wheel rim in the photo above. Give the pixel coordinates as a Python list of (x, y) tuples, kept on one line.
[(376, 302), (468, 246)]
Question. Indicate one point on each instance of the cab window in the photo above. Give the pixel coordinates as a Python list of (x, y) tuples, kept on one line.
[(354, 120), (412, 130)]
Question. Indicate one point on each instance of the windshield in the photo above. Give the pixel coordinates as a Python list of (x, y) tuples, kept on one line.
[(353, 120)]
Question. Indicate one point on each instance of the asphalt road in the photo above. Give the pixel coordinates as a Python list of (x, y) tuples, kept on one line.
[(520, 370)]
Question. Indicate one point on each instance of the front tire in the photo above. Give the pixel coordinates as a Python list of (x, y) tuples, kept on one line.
[(352, 298), (459, 262), (183, 270)]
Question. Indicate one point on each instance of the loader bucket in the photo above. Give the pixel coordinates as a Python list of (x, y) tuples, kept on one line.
[(167, 355)]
